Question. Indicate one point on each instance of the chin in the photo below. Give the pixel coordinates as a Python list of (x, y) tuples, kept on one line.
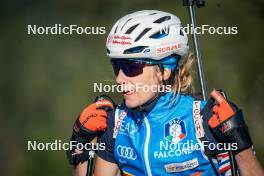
[(131, 104), (135, 100)]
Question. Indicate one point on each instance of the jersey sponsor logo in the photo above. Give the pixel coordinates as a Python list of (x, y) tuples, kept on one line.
[(126, 152), (127, 128), (118, 122), (197, 119), (168, 48), (175, 130), (170, 150), (183, 166)]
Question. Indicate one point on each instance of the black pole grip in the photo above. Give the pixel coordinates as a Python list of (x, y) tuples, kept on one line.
[(199, 3)]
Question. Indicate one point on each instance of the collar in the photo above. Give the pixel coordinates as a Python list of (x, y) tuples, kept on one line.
[(155, 109)]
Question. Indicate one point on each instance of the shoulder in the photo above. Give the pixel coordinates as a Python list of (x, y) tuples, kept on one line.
[(189, 103), (114, 119), (106, 138), (193, 98)]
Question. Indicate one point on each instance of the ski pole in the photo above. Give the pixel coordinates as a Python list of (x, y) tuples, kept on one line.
[(90, 164), (91, 160), (192, 17)]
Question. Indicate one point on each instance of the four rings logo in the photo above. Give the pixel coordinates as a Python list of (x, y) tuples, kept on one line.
[(126, 152)]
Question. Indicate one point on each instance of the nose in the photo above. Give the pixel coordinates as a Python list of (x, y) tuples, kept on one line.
[(121, 78)]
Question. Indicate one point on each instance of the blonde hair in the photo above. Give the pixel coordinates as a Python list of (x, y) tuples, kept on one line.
[(183, 80)]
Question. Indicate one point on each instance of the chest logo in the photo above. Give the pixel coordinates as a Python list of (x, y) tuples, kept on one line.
[(175, 130), (183, 166), (126, 152)]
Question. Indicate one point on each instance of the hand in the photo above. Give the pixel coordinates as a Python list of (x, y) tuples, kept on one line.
[(86, 127), (92, 120), (227, 123)]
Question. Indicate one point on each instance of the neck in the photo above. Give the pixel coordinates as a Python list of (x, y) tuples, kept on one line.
[(147, 106)]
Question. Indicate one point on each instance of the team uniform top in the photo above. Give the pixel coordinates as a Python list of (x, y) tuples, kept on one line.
[(163, 141)]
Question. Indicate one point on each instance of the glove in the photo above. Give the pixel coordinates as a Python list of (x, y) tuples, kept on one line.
[(227, 122), (89, 123), (92, 120)]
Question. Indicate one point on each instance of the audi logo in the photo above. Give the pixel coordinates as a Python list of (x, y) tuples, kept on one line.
[(126, 152)]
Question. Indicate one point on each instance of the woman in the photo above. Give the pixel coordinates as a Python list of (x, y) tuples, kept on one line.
[(153, 132)]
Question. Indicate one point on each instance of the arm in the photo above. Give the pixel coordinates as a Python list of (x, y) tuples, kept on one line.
[(103, 167), (228, 126), (248, 164), (80, 169)]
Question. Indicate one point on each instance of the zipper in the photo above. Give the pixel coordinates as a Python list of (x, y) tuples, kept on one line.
[(146, 147)]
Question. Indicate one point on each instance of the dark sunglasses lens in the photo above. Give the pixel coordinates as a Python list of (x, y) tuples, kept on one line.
[(133, 69), (116, 66), (130, 68)]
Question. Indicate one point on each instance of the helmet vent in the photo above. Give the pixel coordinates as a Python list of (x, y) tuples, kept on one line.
[(162, 19), (181, 33), (137, 49), (131, 29), (158, 35), (142, 34), (125, 23), (108, 51), (116, 29), (153, 13)]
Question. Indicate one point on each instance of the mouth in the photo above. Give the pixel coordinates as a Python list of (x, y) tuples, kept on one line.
[(128, 90), (128, 93)]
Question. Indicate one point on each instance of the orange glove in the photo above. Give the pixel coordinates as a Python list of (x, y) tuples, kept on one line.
[(86, 127), (92, 120), (227, 122), (94, 116), (221, 111)]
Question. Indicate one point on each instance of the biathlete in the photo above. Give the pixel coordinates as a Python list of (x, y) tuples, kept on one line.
[(158, 130)]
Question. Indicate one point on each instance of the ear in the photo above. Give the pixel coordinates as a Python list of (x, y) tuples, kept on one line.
[(166, 73)]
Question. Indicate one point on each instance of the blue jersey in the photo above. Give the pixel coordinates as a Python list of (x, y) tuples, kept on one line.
[(163, 141)]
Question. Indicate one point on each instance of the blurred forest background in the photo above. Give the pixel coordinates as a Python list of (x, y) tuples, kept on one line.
[(46, 80)]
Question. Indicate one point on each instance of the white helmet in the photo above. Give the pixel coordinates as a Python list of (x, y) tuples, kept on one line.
[(147, 34)]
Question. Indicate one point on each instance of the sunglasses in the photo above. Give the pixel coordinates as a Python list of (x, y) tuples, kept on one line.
[(131, 67)]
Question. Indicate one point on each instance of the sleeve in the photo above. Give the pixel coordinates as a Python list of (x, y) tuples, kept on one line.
[(107, 139)]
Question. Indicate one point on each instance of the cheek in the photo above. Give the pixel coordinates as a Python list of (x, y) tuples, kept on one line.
[(150, 76)]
